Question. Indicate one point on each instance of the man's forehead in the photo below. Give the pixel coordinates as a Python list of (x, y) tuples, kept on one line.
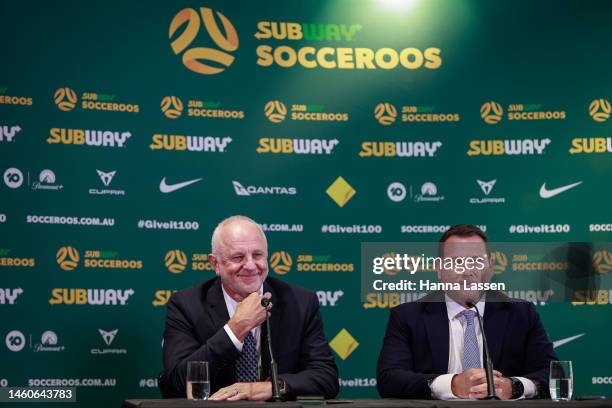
[(464, 245), (242, 234)]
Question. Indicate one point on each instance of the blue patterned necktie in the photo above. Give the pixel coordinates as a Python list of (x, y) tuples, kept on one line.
[(246, 365), (471, 354)]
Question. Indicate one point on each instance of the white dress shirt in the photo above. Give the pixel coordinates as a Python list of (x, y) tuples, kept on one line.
[(441, 386), (231, 305)]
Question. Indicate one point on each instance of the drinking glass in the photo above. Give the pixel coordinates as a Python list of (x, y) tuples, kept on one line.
[(561, 380), (198, 381)]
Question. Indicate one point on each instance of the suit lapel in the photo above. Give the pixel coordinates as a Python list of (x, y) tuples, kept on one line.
[(215, 306), (495, 323), (436, 323)]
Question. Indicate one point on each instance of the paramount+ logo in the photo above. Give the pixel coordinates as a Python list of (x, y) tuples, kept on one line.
[(491, 112), (175, 260), (275, 111), (67, 258), (171, 107), (600, 109), (203, 60), (65, 99), (281, 262), (385, 113)]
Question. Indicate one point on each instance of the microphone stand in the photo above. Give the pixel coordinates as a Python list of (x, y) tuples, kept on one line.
[(488, 364), (273, 368)]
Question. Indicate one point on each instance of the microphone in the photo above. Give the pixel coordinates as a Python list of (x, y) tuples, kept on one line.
[(265, 302), (488, 364)]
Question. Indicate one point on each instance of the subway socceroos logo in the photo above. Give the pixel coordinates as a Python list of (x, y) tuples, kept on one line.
[(276, 112), (281, 263), (172, 108), (385, 113), (203, 60), (492, 112), (68, 259), (66, 100), (330, 57)]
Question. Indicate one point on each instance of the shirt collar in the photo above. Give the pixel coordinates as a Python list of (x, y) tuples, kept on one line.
[(453, 308)]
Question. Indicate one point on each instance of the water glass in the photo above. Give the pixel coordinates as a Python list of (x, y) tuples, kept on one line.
[(561, 380), (198, 380)]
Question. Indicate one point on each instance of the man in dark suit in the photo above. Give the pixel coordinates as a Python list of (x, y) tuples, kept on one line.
[(433, 347), (220, 321)]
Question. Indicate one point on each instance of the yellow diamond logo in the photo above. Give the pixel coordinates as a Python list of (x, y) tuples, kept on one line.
[(340, 191), (344, 344)]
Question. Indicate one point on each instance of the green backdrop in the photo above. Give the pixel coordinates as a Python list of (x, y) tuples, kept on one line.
[(410, 103)]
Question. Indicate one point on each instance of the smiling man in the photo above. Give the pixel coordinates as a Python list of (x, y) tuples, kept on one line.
[(220, 321)]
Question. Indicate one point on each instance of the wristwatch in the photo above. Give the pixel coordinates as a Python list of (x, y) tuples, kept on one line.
[(282, 389), (517, 388)]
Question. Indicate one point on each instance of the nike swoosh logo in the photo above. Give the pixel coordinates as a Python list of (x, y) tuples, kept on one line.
[(561, 342), (168, 188), (544, 193)]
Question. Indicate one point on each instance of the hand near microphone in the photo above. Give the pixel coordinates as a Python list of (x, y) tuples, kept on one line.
[(472, 384), (249, 314)]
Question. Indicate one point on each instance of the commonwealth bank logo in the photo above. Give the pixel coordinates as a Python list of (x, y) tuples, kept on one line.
[(344, 344), (602, 261), (65, 99), (175, 260), (281, 262), (600, 110), (275, 111), (499, 261), (67, 258), (171, 107), (385, 113), (209, 60), (340, 191), (491, 112)]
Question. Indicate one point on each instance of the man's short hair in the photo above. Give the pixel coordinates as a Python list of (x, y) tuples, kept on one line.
[(462, 230), (215, 242)]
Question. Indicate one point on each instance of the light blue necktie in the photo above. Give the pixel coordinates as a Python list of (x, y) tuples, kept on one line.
[(471, 353), (246, 365)]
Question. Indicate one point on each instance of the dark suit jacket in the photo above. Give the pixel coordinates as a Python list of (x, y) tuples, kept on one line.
[(416, 346), (194, 331)]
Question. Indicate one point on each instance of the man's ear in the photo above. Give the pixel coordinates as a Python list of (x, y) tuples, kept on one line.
[(212, 258)]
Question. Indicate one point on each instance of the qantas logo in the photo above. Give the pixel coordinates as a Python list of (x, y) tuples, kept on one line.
[(561, 342), (168, 188), (545, 193)]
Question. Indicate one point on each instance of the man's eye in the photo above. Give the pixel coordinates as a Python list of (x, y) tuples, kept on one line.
[(236, 259)]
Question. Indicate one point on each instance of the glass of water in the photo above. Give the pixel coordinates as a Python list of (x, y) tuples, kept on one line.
[(198, 381), (561, 380)]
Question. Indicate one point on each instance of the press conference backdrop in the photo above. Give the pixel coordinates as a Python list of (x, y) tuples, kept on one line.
[(129, 129)]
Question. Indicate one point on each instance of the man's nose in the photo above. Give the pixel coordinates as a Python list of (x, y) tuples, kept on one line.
[(250, 263)]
